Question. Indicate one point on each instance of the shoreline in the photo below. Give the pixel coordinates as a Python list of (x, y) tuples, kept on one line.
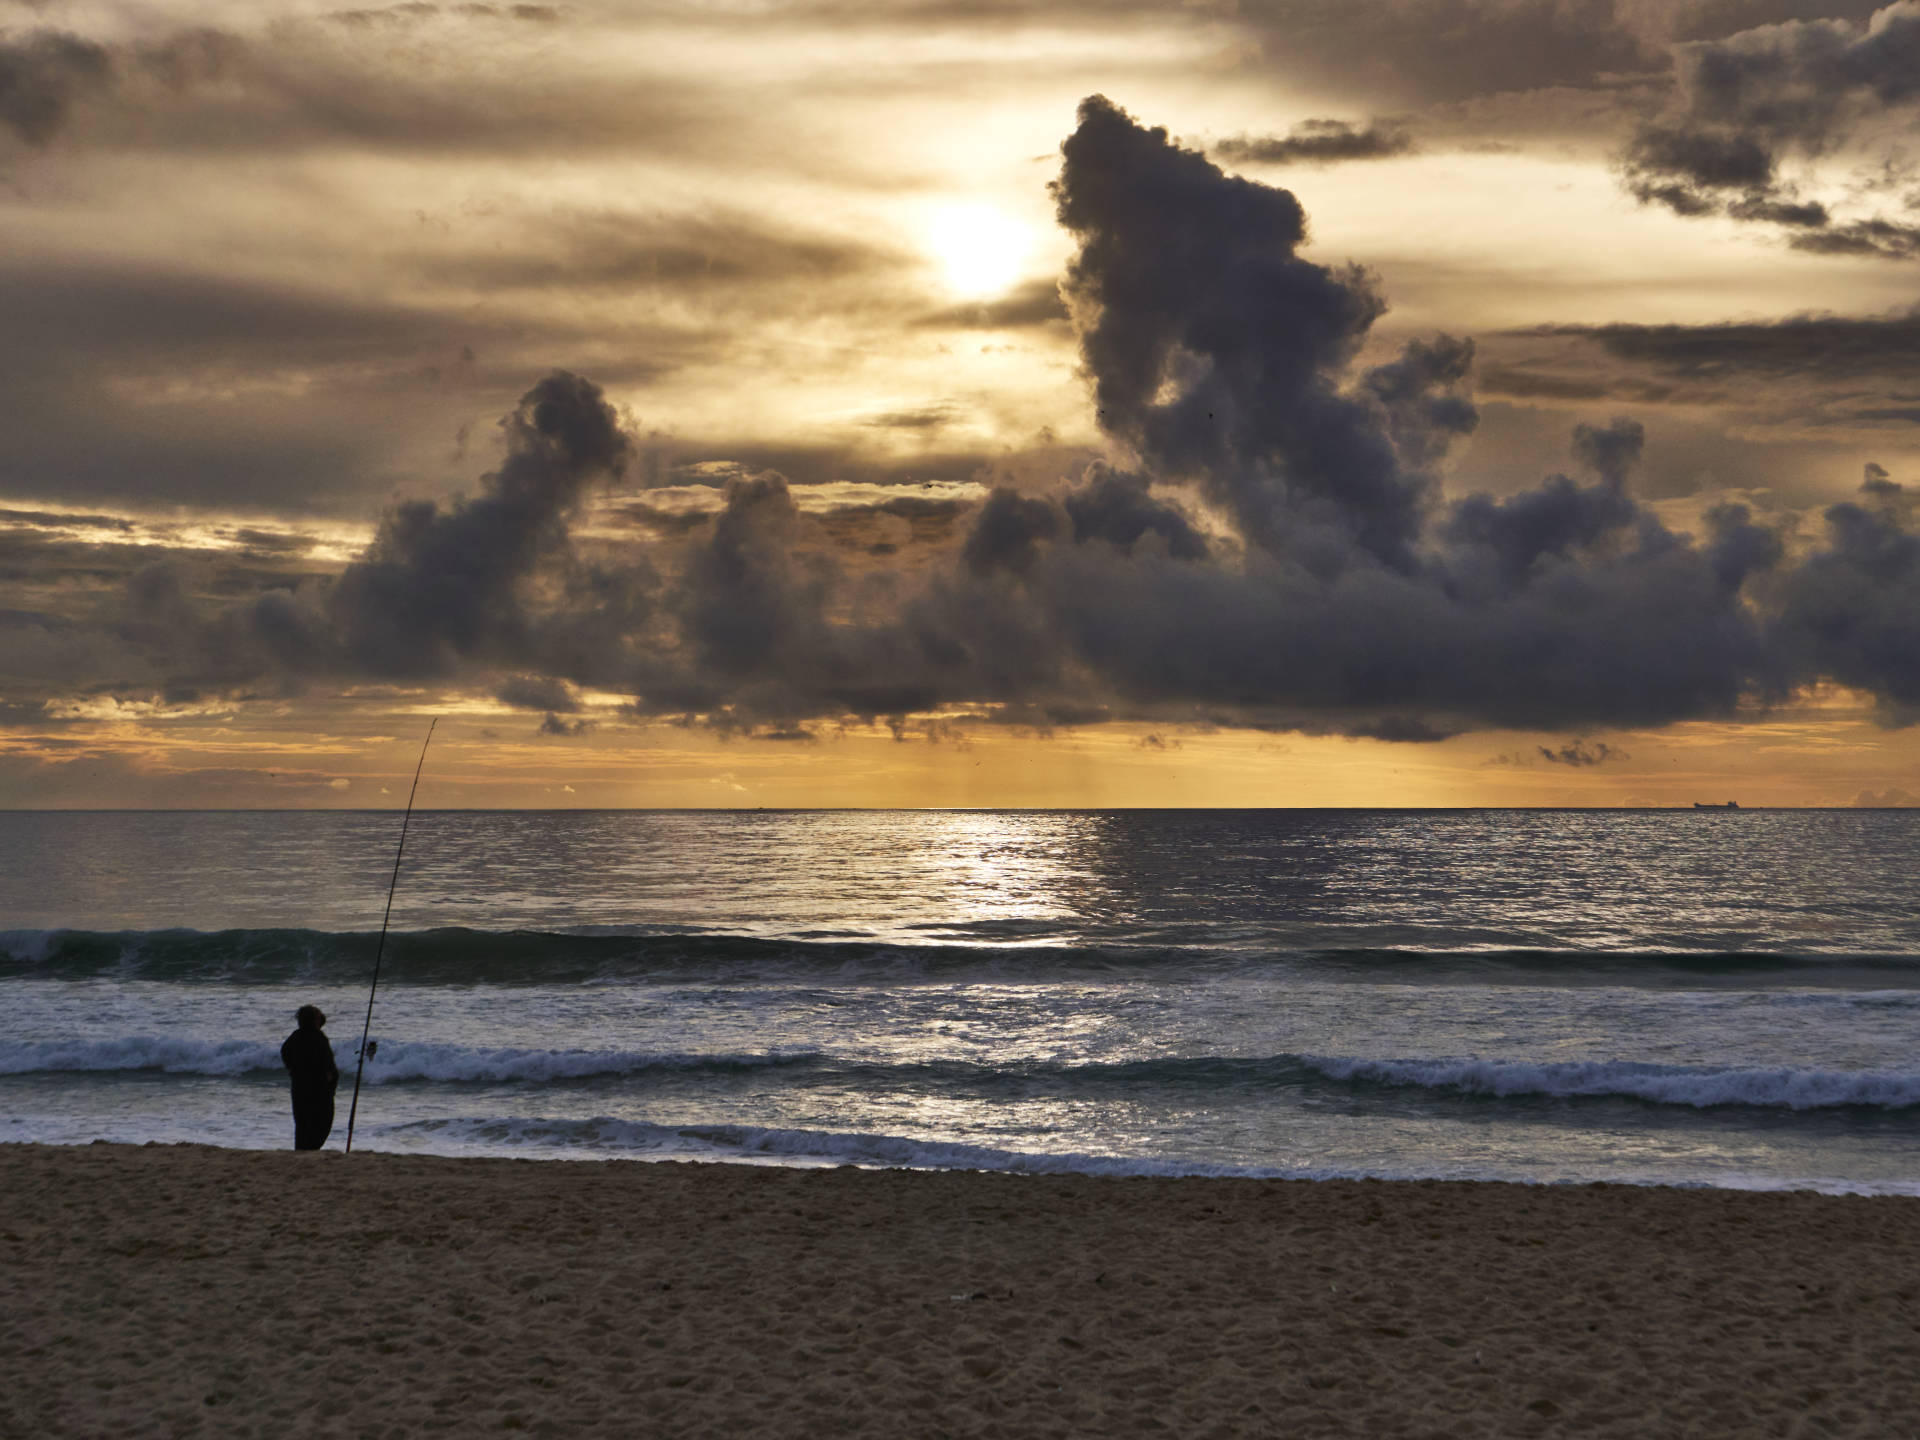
[(187, 1290), (1070, 1165)]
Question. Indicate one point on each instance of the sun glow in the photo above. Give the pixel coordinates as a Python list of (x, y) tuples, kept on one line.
[(980, 249)]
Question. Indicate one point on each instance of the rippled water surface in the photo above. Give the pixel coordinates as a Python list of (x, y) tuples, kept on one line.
[(1839, 881), (1715, 997)]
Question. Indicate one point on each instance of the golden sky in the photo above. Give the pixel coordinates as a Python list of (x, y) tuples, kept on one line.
[(1385, 402)]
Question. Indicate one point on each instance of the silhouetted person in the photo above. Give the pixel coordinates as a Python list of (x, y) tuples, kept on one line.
[(308, 1056)]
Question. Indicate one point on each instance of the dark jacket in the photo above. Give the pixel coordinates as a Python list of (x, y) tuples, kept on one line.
[(308, 1056)]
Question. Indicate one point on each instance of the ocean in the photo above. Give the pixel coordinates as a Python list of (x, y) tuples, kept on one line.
[(1726, 998)]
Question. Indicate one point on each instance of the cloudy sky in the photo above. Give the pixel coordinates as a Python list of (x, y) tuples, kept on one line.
[(1312, 402)]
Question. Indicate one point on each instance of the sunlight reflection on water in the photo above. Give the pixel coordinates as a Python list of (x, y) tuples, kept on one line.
[(1534, 995), (1606, 880)]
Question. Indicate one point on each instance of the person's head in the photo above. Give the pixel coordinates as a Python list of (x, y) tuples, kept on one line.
[(310, 1017)]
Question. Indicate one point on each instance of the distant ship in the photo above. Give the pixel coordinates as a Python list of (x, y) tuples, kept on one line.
[(1704, 805)]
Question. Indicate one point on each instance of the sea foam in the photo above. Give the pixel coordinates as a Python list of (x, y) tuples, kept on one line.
[(602, 1135), (1772, 1087), (393, 1061)]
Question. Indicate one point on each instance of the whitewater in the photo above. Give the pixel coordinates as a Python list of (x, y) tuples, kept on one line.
[(1653, 997)]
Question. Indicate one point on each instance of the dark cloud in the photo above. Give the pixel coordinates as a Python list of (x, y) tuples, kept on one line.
[(115, 524), (1698, 162), (1807, 215), (1354, 599), (1820, 370), (1119, 508), (1399, 730), (1183, 280), (1851, 610), (1037, 302), (418, 12), (748, 604), (662, 521), (45, 75), (85, 346), (1319, 142), (42, 75), (538, 692), (1746, 104), (383, 15), (1580, 754), (1887, 239), (1409, 52), (767, 628), (627, 250), (124, 382), (371, 79), (904, 526), (387, 78), (1274, 553), (1738, 547), (1557, 520), (444, 586), (1008, 532), (267, 543), (1533, 382), (187, 315), (1611, 450), (90, 604), (712, 461), (927, 417), (1424, 397)]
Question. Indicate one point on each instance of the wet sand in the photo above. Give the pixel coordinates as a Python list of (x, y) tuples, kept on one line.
[(181, 1290)]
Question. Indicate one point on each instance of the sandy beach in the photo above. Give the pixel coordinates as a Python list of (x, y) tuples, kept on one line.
[(184, 1290)]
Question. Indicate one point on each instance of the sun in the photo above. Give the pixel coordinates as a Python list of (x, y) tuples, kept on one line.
[(980, 249)]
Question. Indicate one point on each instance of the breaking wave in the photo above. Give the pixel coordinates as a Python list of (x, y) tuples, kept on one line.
[(525, 957), (1207, 1079), (605, 1135), (455, 956), (392, 1061), (1699, 1087)]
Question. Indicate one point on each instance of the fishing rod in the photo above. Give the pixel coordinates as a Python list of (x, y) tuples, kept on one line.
[(381, 948)]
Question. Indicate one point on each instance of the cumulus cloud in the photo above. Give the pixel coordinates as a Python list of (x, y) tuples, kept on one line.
[(1747, 104), (1120, 509), (444, 588), (1266, 545), (442, 582), (1219, 354), (1851, 611)]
